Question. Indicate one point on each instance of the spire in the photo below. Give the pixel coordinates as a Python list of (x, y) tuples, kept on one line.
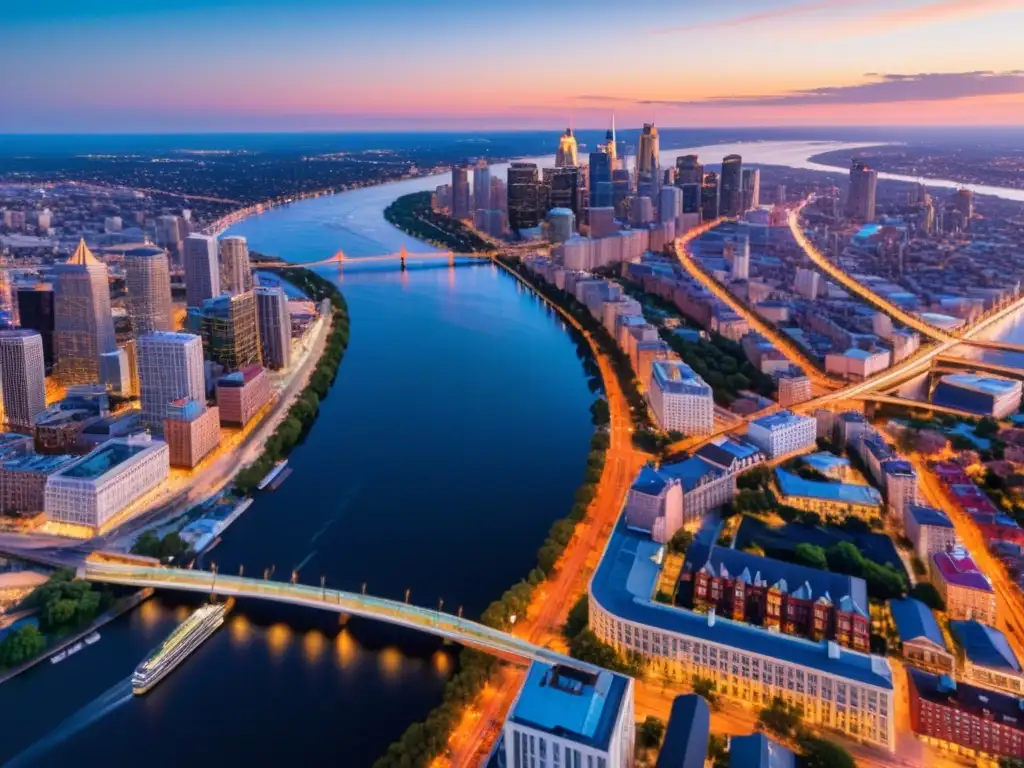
[(83, 256)]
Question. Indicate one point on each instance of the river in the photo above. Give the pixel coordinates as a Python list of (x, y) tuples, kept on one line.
[(455, 434)]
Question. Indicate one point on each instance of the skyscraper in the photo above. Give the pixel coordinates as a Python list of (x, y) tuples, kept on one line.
[(621, 189), (35, 311), (235, 271), (460, 192), (670, 204), (648, 166), (688, 170), (275, 326), (600, 180), (482, 187), (730, 197), (709, 197), (170, 368), (562, 188), (751, 188), (22, 376), (202, 269), (83, 321), (523, 196), (860, 201), (148, 281), (567, 149), (230, 330), (611, 146), (691, 198)]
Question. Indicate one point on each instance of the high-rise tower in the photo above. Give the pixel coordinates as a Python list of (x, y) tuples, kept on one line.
[(523, 196), (460, 192), (860, 201), (648, 166), (275, 327), (202, 269), (235, 271), (170, 368), (148, 281), (22, 376), (567, 150), (730, 197), (83, 321)]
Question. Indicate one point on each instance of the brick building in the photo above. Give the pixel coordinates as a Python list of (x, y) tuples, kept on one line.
[(242, 394)]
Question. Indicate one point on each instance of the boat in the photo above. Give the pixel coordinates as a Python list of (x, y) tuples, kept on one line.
[(189, 635), (57, 658), (272, 474), (93, 638), (280, 479), (75, 648)]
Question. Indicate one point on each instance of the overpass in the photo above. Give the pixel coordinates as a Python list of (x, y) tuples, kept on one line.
[(433, 621), (948, 363), (906, 402), (999, 346)]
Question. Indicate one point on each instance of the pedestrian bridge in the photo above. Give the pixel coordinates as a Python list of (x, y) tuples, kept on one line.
[(432, 621)]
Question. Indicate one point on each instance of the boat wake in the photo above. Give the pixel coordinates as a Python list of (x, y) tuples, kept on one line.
[(92, 712)]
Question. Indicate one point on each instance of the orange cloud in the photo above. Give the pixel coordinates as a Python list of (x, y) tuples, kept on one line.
[(754, 18), (938, 11)]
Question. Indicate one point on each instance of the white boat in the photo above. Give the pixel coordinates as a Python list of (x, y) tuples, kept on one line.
[(57, 658), (186, 638), (93, 638), (75, 648), (272, 474)]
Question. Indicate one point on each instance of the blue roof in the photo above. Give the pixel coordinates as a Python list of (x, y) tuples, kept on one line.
[(686, 735), (825, 462), (571, 704), (845, 493), (758, 751), (984, 645), (898, 467), (679, 378), (914, 620), (624, 582), (990, 385), (690, 471), (929, 516), (649, 481), (859, 354)]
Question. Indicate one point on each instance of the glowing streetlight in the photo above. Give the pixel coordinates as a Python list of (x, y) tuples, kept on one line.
[(407, 591)]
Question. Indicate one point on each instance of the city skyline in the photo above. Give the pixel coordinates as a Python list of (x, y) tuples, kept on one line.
[(793, 62)]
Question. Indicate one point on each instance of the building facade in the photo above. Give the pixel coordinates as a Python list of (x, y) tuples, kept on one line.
[(930, 530), (36, 311), (235, 270), (170, 368), (782, 433), (192, 431), (860, 200), (202, 269), (242, 394), (230, 331), (731, 194), (23, 481), (148, 282), (680, 399), (275, 327), (967, 592), (22, 377), (83, 320), (922, 642)]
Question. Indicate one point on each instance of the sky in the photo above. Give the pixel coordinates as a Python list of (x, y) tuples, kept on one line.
[(81, 66)]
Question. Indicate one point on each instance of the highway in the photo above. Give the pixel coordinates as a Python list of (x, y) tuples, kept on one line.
[(832, 270)]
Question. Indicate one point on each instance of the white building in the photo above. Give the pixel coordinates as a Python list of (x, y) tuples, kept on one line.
[(930, 530), (170, 368), (858, 364), (670, 204), (562, 224), (781, 433), (202, 269), (794, 387), (235, 272), (275, 327), (569, 717), (22, 375), (901, 489), (806, 283), (680, 399), (101, 484)]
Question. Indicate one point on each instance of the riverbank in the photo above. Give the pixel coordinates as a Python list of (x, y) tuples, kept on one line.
[(414, 215), (123, 606)]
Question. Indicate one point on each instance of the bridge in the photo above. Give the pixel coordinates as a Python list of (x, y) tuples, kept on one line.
[(432, 621), (948, 363), (340, 259), (906, 402), (999, 346)]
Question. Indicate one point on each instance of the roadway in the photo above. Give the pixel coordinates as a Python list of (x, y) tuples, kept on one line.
[(821, 261)]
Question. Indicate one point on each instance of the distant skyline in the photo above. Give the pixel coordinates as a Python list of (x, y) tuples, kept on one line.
[(316, 65)]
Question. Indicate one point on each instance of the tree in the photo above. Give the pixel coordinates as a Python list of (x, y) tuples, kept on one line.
[(987, 427), (680, 542), (821, 753), (811, 556), (706, 687), (780, 718), (578, 618), (21, 645), (718, 751), (651, 732), (929, 595)]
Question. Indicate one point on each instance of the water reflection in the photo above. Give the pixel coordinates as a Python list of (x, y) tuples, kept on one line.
[(240, 630), (391, 662), (279, 637), (442, 663), (313, 645), (346, 648)]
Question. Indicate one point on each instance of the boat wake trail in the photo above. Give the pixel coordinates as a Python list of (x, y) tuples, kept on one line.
[(92, 712)]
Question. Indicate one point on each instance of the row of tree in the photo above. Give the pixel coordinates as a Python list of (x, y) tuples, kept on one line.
[(164, 548), (304, 411), (414, 215)]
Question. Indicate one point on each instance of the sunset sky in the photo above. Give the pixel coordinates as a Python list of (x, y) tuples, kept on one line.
[(264, 65)]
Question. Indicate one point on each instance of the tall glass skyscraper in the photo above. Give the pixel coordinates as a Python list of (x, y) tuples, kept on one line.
[(35, 311), (523, 196), (600, 180), (731, 193), (148, 281), (83, 321), (202, 269)]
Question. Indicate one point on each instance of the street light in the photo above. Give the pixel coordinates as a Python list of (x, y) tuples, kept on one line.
[(407, 591), (364, 587), (241, 571), (213, 582), (323, 588), (295, 576)]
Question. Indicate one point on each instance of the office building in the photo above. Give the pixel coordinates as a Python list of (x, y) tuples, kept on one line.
[(35, 311), (622, 188), (686, 733), (967, 592), (691, 199), (191, 430), (648, 164), (837, 687), (751, 188), (688, 170), (929, 529), (461, 201), (922, 642), (23, 481), (680, 399), (828, 499), (202, 269), (170, 231), (984, 395), (114, 374), (561, 224), (235, 271), (670, 204), (731, 194), (230, 331), (709, 203), (22, 376), (275, 327), (600, 180), (567, 149), (794, 386), (147, 279), (97, 487), (562, 186), (523, 196), (781, 433), (964, 717), (170, 368), (56, 429), (985, 658), (566, 716), (242, 394), (130, 348), (482, 187), (83, 320), (860, 199)]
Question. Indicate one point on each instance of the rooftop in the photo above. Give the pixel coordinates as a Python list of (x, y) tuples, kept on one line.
[(686, 734), (678, 378), (780, 420), (898, 467), (844, 493), (104, 459), (960, 570), (758, 751), (1000, 707), (624, 582), (985, 646), (915, 621), (35, 462), (569, 703), (240, 378), (690, 472), (924, 515), (825, 462), (988, 385)]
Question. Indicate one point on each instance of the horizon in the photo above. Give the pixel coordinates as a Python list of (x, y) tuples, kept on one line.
[(317, 66)]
